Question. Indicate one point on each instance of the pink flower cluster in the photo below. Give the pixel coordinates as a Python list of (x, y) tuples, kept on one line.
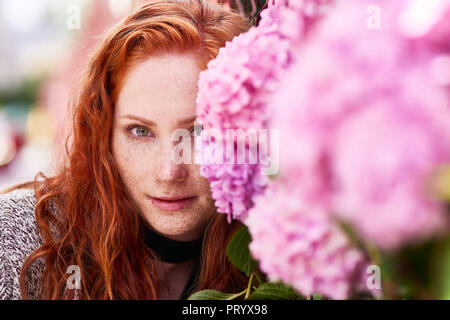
[(234, 92), (294, 19), (233, 186), (363, 122), (300, 245)]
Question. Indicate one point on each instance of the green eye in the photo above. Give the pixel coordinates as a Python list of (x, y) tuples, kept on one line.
[(142, 132), (137, 132)]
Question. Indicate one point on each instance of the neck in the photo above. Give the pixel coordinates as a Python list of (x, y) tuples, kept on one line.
[(174, 278), (168, 269), (171, 251)]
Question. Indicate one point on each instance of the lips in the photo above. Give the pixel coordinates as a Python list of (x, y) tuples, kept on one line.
[(172, 203)]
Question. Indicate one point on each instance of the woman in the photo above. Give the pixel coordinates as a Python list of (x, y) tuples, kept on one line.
[(121, 220)]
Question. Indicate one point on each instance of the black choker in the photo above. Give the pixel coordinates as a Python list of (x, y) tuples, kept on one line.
[(169, 250)]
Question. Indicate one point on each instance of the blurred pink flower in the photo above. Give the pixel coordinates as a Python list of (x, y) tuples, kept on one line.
[(362, 122), (426, 22), (300, 244), (381, 159), (234, 93)]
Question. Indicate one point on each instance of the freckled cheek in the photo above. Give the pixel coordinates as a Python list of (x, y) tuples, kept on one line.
[(135, 162), (203, 188), (201, 183)]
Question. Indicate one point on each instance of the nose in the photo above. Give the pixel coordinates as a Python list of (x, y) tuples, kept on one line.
[(169, 172)]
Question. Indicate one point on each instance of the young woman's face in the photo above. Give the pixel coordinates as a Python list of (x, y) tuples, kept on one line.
[(157, 98)]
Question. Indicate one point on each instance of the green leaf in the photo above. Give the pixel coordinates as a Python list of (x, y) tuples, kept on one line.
[(440, 266), (238, 252), (317, 296), (273, 291), (213, 295), (314, 296)]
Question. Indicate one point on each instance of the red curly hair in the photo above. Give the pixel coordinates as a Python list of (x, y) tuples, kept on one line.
[(93, 227)]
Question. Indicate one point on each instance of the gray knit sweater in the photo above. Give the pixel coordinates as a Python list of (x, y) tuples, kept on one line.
[(19, 236)]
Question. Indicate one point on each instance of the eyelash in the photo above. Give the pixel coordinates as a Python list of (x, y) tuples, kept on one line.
[(138, 138), (134, 137)]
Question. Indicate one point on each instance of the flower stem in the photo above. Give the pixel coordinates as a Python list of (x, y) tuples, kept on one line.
[(237, 295), (249, 286), (258, 278)]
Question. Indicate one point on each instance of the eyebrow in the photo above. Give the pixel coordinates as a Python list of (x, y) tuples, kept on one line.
[(151, 123)]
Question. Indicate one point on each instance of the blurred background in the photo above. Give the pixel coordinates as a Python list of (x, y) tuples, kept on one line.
[(44, 45)]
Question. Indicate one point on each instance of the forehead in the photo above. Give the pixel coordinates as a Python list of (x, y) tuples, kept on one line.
[(161, 88)]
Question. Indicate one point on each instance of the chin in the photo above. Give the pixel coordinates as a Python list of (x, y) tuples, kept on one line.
[(176, 228)]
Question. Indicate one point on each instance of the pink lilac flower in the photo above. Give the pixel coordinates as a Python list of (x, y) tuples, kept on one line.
[(300, 245), (363, 122), (294, 19), (234, 92), (382, 158), (233, 185), (426, 23)]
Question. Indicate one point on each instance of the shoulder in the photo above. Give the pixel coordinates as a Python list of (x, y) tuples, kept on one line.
[(17, 208), (18, 227), (19, 237)]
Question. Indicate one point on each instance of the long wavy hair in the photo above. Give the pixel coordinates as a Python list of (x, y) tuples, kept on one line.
[(94, 226)]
